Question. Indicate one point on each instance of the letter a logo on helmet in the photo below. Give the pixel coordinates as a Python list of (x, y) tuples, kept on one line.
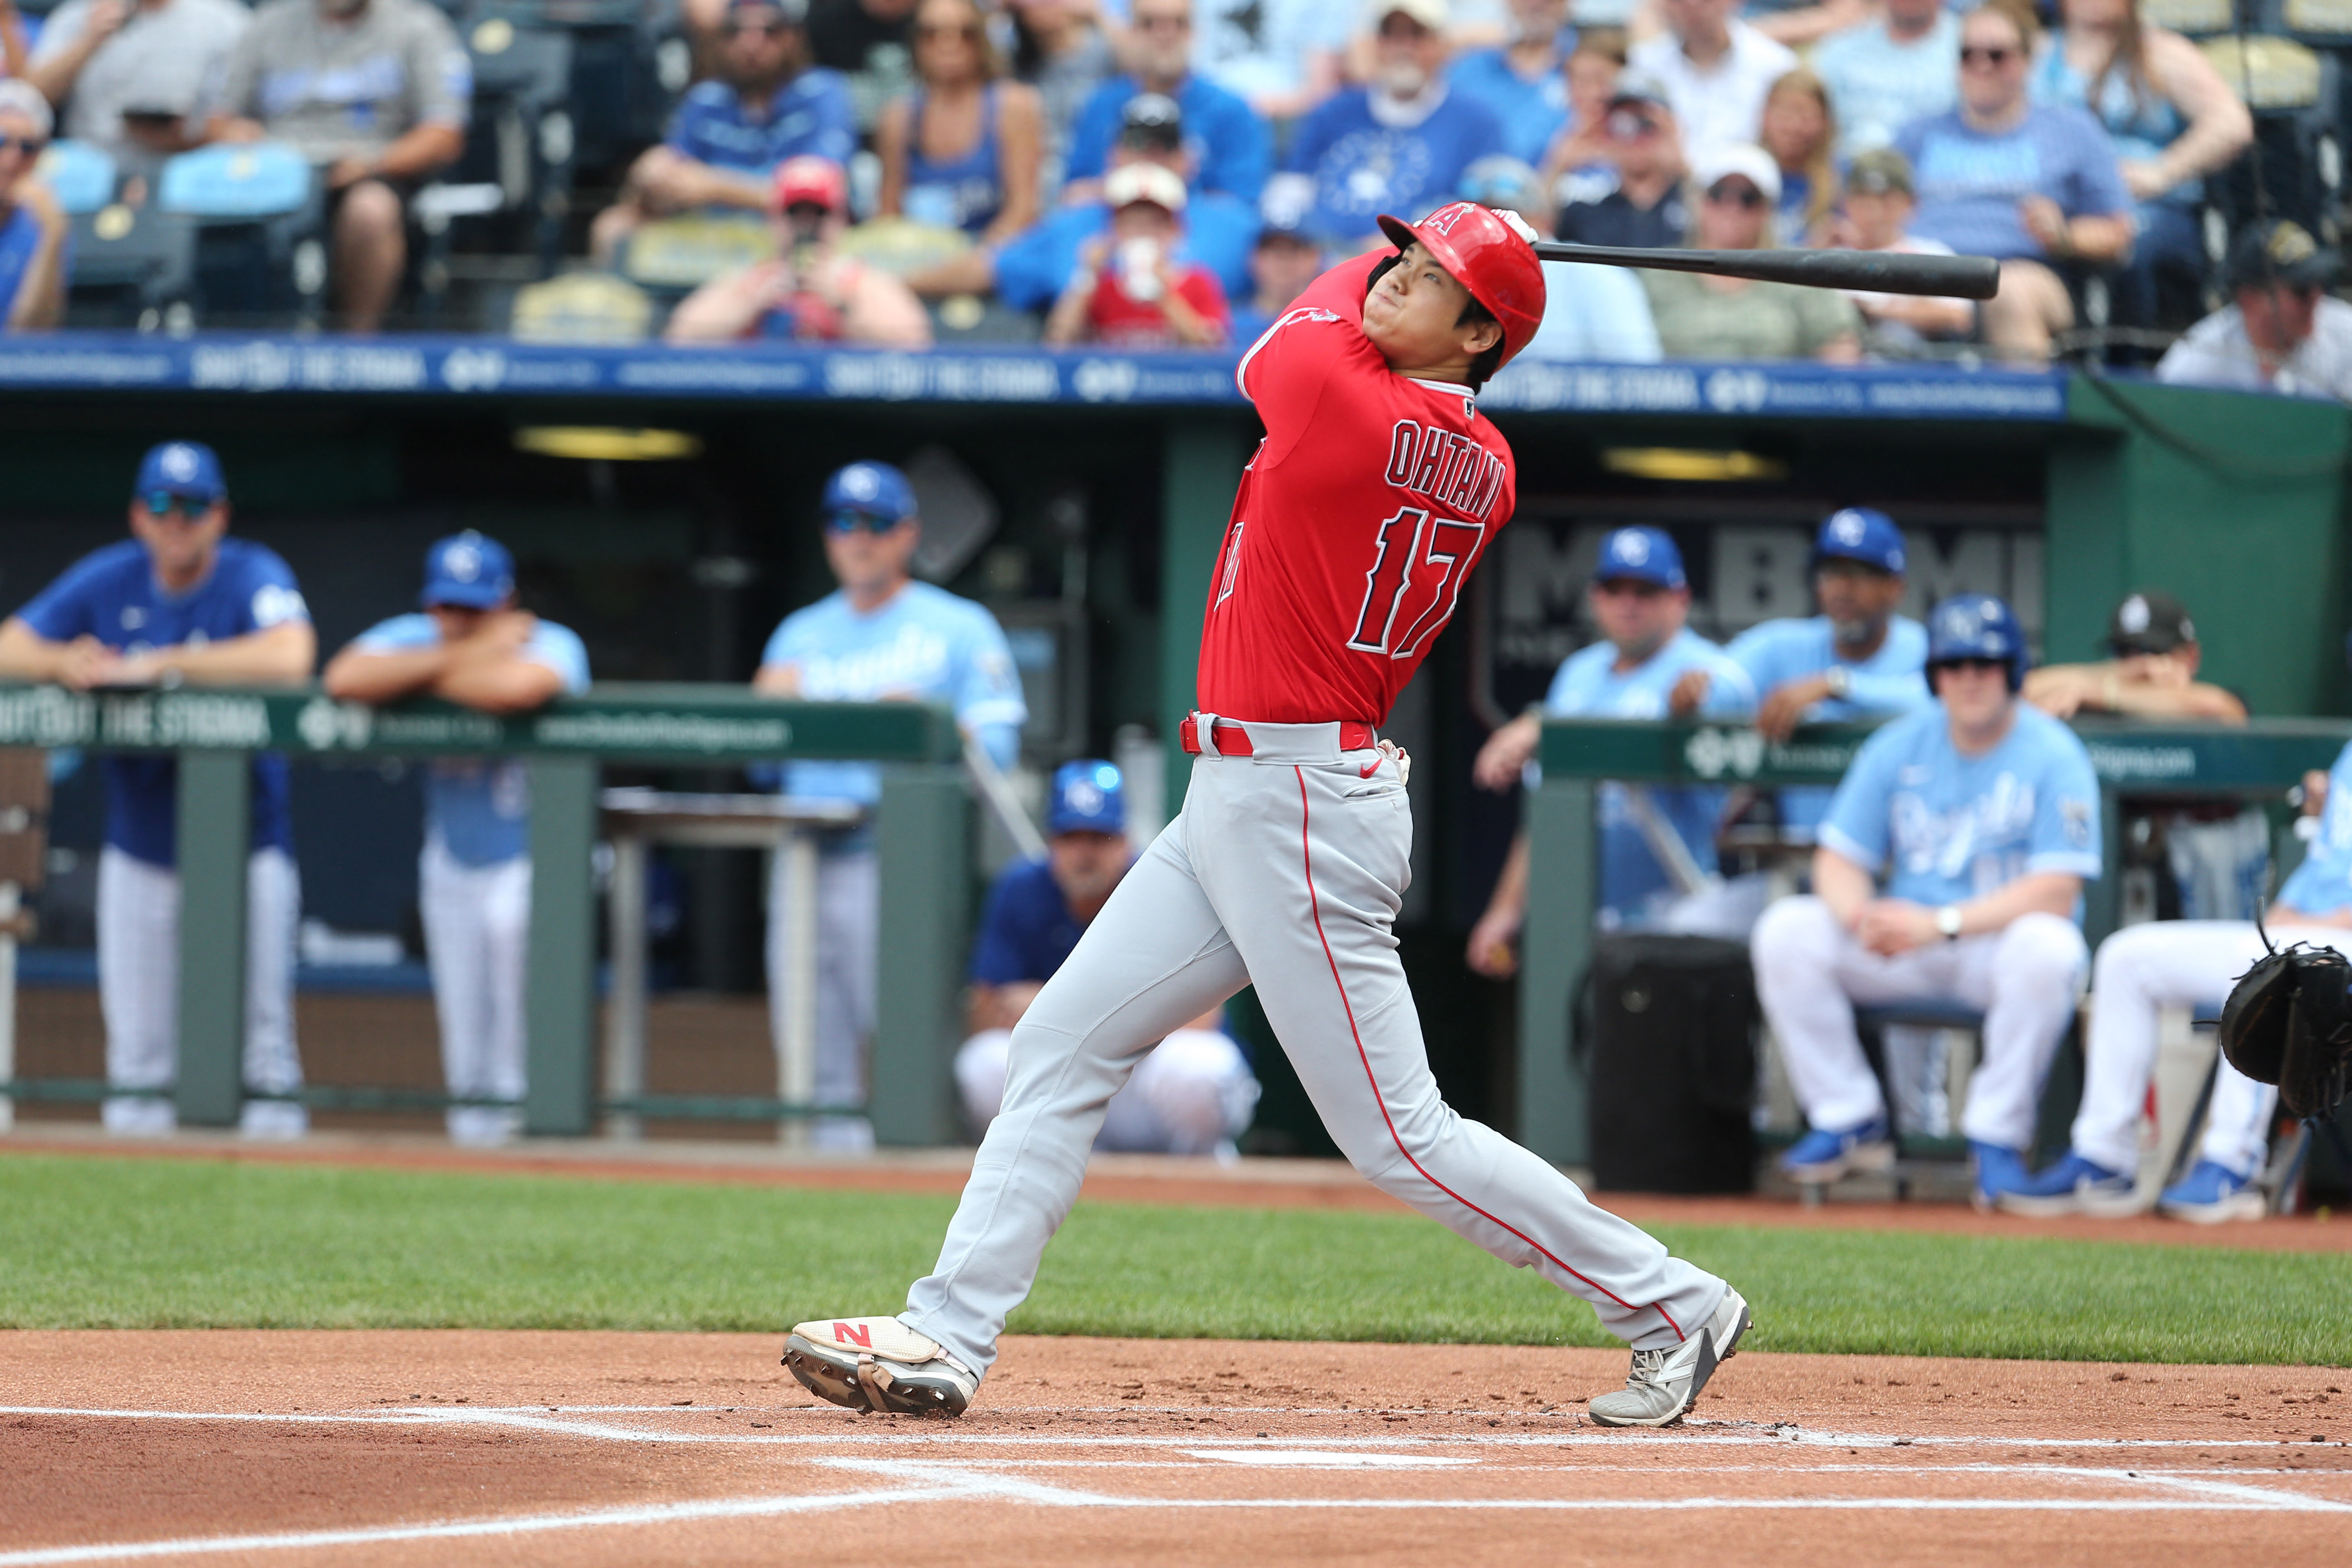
[(1490, 254)]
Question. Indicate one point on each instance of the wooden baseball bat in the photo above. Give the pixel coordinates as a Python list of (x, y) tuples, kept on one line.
[(1872, 271)]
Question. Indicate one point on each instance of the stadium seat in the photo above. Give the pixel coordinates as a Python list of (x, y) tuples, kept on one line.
[(132, 268), (582, 308), (2194, 17), (260, 215), (82, 176), (522, 139), (683, 253), (2296, 94), (624, 72)]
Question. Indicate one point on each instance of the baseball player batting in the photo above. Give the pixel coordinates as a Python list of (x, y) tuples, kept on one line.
[(1376, 488)]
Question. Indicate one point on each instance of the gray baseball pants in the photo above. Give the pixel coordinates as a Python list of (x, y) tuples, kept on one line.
[(1286, 869)]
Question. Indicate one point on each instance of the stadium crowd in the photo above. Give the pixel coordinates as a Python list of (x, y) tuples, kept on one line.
[(976, 151)]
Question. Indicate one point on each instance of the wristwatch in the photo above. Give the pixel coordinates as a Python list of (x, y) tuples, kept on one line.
[(1838, 679), (1948, 920)]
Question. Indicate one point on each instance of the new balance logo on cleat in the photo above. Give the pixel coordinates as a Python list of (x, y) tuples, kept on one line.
[(878, 1364)]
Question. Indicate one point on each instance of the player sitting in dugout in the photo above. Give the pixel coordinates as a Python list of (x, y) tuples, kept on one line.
[(1657, 843), (1950, 868), (1193, 1094)]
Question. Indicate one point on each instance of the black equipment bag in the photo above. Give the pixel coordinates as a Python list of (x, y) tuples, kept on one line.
[(1668, 1033)]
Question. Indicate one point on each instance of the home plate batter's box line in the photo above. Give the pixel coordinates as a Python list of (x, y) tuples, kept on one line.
[(935, 1482), (534, 1418)]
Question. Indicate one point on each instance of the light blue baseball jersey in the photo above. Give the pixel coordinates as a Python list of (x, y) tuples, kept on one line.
[(1943, 828), (926, 644), (2323, 883), (1890, 681), (1588, 685), (111, 594), (479, 807)]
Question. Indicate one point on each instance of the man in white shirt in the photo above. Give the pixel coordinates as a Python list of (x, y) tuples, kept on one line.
[(2285, 334), (1715, 71), (1888, 71), (128, 74)]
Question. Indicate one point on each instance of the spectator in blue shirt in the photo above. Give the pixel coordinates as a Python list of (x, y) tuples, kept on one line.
[(35, 252), (468, 644), (2036, 186), (1231, 149), (179, 602), (1029, 271), (728, 136), (1283, 262), (1524, 79), (1192, 1093), (1886, 72), (1399, 145)]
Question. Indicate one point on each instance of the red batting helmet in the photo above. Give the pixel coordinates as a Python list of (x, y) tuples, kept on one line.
[(1489, 254)]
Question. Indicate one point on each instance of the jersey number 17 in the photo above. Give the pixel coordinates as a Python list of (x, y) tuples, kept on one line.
[(1419, 566)]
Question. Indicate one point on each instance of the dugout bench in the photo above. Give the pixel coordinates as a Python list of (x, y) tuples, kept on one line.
[(923, 825), (2262, 758)]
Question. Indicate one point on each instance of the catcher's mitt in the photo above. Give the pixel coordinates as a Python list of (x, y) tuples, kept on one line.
[(2288, 1021)]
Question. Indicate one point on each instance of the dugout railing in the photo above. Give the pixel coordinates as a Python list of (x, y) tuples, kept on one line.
[(2142, 763), (923, 836)]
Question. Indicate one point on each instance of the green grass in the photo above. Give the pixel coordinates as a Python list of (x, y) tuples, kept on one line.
[(149, 1243)]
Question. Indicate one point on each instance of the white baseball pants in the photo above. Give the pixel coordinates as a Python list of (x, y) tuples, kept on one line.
[(139, 990), (1192, 1094), (1809, 971), (847, 885), (477, 935), (1286, 869), (2173, 964)]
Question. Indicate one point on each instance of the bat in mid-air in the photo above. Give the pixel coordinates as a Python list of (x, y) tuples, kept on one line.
[(1870, 271)]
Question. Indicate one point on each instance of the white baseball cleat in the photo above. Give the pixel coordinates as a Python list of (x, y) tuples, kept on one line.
[(1665, 1383), (878, 1364)]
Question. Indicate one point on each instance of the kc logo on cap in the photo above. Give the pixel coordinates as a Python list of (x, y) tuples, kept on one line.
[(1631, 548), (178, 462)]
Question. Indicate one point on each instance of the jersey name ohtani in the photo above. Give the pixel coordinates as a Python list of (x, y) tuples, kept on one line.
[(1450, 468)]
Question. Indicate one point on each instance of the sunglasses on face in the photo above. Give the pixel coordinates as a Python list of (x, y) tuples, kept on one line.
[(1627, 126), (1986, 53), (969, 32), (1975, 666), (163, 505), (29, 145), (753, 29), (1164, 24), (1742, 195), (860, 523)]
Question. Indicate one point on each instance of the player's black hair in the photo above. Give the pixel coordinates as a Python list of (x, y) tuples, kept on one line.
[(1473, 314)]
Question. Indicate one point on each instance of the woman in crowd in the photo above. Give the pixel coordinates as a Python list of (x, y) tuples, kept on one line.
[(1705, 317), (1591, 72), (1799, 130), (2171, 116), (1064, 49), (962, 150)]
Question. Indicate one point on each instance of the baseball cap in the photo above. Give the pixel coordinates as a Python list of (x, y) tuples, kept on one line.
[(188, 468), (1878, 171), (1089, 796), (470, 571), (2281, 252), (1644, 554), (2149, 621), (1133, 182), (1152, 121), (1861, 534), (1640, 87), (793, 12), (1433, 15), (20, 97), (876, 490), (818, 181), (1745, 159)]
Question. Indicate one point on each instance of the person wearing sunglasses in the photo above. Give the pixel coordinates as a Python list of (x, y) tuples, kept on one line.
[(963, 149), (36, 236), (881, 637), (2037, 186), (467, 643), (1636, 196), (1950, 866), (179, 602), (730, 135), (1705, 317)]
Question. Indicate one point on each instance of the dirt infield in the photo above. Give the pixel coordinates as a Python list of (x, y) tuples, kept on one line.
[(415, 1448)]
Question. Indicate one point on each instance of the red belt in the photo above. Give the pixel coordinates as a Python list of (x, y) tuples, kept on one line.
[(1232, 740)]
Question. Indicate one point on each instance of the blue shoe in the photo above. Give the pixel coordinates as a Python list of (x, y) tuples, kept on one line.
[(1822, 1155), (1998, 1171), (2211, 1194), (2072, 1186)]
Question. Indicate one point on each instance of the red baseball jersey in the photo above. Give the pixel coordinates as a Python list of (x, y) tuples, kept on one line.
[(1356, 525)]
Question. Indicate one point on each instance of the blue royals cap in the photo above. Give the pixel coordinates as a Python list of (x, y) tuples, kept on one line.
[(469, 571), (1644, 554), (1089, 796), (877, 490), (1861, 534), (188, 468)]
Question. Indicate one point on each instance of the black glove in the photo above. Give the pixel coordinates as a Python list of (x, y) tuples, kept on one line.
[(2288, 1021)]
